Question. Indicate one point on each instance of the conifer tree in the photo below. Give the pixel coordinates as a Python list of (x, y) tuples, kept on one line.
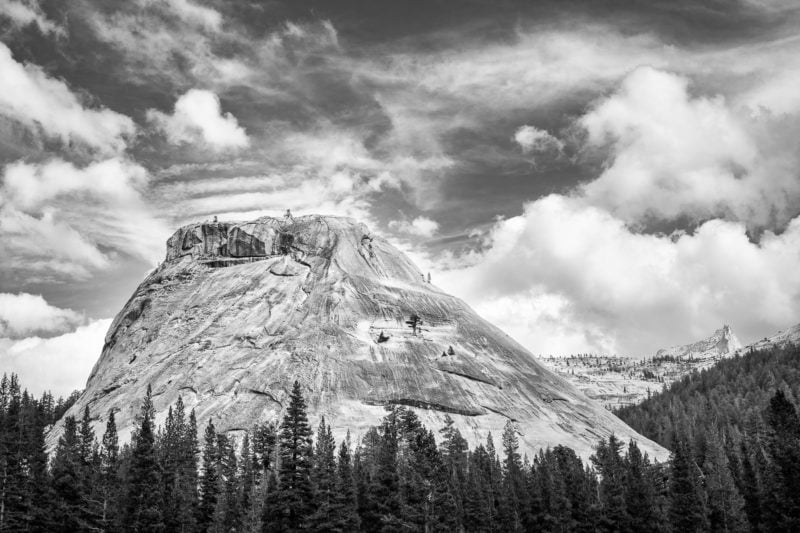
[(750, 488), (294, 469), (228, 513), (509, 512), (188, 481), (611, 469), (687, 511), (109, 479), (324, 476), (725, 504), (640, 495), (782, 494), (209, 480), (145, 494), (247, 480), (66, 472), (346, 509), (385, 483)]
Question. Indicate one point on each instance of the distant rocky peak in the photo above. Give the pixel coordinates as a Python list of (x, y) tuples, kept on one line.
[(722, 342)]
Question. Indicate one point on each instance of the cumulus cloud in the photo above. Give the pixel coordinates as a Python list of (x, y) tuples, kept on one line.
[(25, 12), (60, 219), (29, 96), (23, 315), (198, 117), (421, 226), (673, 155), (575, 272), (60, 364), (565, 276), (532, 139)]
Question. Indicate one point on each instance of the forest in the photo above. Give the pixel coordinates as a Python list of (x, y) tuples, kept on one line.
[(287, 476)]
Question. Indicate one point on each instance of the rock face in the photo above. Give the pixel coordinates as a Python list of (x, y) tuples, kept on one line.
[(781, 338), (721, 343), (239, 311)]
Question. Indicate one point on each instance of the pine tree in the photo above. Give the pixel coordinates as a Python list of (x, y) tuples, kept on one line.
[(39, 490), (750, 488), (611, 468), (687, 506), (346, 509), (188, 481), (385, 483), (510, 509), (145, 495), (209, 480), (454, 454), (294, 478), (725, 504), (67, 486), (109, 478), (640, 494), (782, 502), (324, 476), (228, 513)]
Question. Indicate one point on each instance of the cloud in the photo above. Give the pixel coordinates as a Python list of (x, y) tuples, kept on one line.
[(421, 226), (672, 155), (25, 12), (23, 315), (575, 271), (191, 12), (564, 276), (532, 139), (60, 364), (57, 219), (29, 96), (198, 117)]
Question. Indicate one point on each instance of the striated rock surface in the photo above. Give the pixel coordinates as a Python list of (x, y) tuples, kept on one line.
[(238, 311)]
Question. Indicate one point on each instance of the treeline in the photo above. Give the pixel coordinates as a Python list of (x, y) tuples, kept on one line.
[(732, 413), (401, 476)]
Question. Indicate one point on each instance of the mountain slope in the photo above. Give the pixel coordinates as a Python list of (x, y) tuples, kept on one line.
[(237, 312), (720, 344), (728, 395), (620, 381)]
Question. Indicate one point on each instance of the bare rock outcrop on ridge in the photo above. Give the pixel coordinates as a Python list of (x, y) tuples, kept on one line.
[(238, 311)]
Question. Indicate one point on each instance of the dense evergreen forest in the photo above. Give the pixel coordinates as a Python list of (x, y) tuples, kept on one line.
[(401, 476)]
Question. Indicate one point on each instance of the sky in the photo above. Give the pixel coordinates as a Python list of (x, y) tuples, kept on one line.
[(599, 176)]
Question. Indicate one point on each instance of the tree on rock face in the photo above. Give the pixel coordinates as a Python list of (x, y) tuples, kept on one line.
[(294, 489)]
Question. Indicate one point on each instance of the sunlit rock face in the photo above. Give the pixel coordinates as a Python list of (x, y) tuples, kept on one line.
[(239, 311), (722, 343)]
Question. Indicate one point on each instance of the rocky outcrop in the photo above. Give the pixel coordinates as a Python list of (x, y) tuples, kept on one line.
[(782, 338), (238, 311), (721, 343)]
